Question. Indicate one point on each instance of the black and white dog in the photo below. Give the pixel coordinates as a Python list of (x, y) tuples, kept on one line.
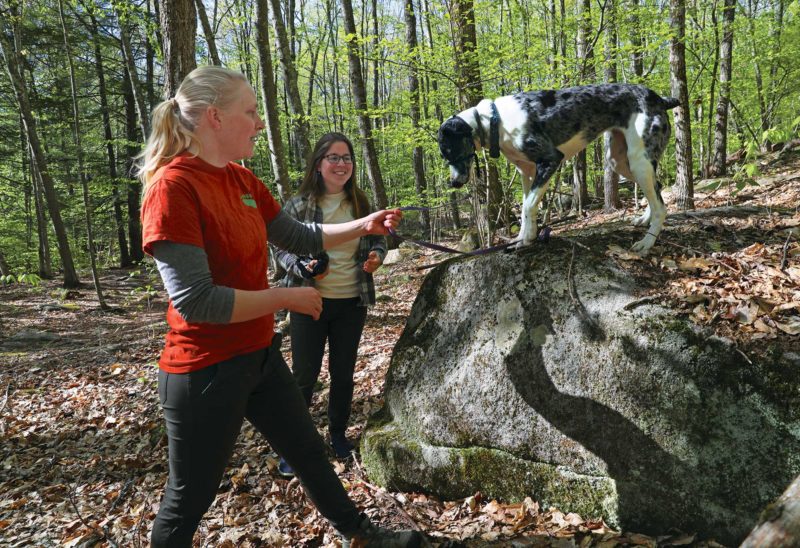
[(538, 130)]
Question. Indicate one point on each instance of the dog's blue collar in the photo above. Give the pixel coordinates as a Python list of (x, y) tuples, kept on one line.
[(479, 127), (494, 131)]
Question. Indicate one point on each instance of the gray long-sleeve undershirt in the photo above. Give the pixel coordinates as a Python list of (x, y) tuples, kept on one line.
[(187, 276)]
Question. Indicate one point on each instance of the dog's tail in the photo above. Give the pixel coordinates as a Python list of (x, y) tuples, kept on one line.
[(670, 102)]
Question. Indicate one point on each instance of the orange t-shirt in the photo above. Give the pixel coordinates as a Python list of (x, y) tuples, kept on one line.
[(225, 211)]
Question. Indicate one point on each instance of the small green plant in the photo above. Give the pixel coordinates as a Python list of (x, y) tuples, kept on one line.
[(60, 293), (27, 278), (745, 175), (147, 290), (144, 293), (30, 278)]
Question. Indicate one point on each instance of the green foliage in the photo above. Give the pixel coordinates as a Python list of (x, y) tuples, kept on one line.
[(60, 294), (521, 45), (27, 278)]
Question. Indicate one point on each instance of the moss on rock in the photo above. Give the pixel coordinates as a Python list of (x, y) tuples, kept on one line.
[(391, 457)]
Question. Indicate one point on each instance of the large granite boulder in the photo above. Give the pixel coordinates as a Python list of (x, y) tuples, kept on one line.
[(542, 373)]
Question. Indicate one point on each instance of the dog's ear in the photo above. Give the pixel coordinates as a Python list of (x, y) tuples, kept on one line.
[(445, 131), (454, 127)]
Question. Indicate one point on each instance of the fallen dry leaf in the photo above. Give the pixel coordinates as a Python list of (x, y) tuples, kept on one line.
[(791, 326), (694, 263), (93, 434), (623, 254)]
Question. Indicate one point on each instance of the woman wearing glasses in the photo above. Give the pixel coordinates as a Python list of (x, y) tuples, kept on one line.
[(328, 194)]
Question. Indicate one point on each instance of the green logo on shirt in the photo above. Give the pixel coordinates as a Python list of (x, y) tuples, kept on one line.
[(248, 200)]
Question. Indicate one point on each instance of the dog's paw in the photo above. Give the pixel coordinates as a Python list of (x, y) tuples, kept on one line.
[(642, 247), (517, 245)]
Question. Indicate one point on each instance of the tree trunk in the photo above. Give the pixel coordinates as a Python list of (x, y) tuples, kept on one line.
[(178, 22), (779, 524), (208, 32), (133, 76), (437, 108), (637, 56), (562, 35), (122, 241), (468, 78), (5, 270), (707, 158), (360, 100), (28, 190), (312, 72), (611, 200), (719, 167), (637, 52), (762, 107), (76, 127), (43, 249), (299, 120), (376, 64), (584, 51), (684, 186), (150, 56), (14, 71), (427, 14), (775, 60), (420, 183), (276, 150), (553, 46), (336, 100), (134, 186)]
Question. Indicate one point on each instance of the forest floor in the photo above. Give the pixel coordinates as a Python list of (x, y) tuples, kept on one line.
[(83, 455)]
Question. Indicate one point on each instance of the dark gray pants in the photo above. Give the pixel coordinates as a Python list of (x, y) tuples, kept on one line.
[(204, 411), (340, 324)]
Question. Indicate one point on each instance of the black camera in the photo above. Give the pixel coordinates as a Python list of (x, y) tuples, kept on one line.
[(322, 259)]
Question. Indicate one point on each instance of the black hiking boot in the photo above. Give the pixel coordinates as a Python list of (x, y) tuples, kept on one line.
[(370, 535)]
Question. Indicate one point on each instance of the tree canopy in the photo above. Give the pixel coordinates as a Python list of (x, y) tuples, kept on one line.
[(119, 69)]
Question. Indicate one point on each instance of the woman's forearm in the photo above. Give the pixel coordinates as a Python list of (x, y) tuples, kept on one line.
[(377, 223), (335, 234), (249, 305)]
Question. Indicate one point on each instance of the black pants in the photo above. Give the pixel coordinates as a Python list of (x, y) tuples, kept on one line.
[(204, 411), (340, 324)]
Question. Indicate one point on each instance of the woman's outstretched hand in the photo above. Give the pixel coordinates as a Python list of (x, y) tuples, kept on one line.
[(382, 221)]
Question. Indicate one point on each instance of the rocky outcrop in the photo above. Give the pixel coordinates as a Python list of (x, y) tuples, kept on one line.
[(542, 373)]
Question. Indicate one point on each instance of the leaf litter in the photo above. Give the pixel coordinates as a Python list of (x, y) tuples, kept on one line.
[(83, 458)]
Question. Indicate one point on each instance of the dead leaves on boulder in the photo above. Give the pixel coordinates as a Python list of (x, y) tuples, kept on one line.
[(746, 294), (746, 287)]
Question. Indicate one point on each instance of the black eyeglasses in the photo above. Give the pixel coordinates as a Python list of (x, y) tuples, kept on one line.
[(335, 158)]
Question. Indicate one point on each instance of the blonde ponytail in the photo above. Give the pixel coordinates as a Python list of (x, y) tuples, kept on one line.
[(168, 138), (175, 119)]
